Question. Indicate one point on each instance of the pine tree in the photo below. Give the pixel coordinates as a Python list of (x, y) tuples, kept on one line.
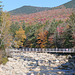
[(1, 6), (71, 23), (23, 25), (68, 37), (31, 39), (13, 28)]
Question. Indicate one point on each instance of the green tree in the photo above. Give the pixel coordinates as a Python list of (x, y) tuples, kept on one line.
[(52, 33), (1, 6), (23, 25), (68, 37), (13, 28), (31, 38), (71, 23)]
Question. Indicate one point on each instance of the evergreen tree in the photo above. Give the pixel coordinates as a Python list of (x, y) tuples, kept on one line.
[(23, 25), (71, 22), (31, 39), (13, 28), (68, 37), (1, 6)]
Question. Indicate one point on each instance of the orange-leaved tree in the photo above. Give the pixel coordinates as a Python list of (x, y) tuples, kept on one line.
[(42, 39)]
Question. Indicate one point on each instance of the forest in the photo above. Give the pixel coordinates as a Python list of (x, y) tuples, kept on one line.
[(50, 28), (45, 29), (37, 40)]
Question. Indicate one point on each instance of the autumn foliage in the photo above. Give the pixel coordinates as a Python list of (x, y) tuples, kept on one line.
[(19, 37), (42, 39), (46, 29), (5, 35)]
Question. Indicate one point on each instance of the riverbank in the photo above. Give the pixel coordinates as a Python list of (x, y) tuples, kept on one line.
[(38, 64)]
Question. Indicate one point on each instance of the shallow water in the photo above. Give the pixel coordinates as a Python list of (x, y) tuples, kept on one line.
[(46, 70)]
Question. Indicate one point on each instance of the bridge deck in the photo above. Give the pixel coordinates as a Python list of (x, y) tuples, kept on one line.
[(46, 50)]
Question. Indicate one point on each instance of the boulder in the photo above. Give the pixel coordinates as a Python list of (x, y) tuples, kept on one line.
[(32, 73), (69, 57), (37, 69), (57, 61), (10, 59), (59, 72)]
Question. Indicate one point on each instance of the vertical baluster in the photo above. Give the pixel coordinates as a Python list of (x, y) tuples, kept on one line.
[(46, 50), (33, 49), (39, 50), (36, 49), (26, 49)]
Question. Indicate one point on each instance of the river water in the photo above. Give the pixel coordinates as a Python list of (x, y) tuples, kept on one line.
[(47, 70)]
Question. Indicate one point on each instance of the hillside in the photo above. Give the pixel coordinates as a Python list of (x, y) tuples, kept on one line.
[(33, 9), (47, 28), (28, 10), (70, 4)]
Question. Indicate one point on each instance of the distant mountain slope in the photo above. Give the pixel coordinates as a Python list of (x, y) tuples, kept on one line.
[(33, 9), (70, 4), (28, 10)]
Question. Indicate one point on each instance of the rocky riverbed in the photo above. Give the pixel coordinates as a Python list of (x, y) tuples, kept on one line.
[(39, 64)]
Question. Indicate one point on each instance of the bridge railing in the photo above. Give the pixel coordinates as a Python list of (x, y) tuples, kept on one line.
[(42, 50)]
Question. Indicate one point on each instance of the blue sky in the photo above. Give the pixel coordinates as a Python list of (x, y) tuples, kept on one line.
[(13, 4)]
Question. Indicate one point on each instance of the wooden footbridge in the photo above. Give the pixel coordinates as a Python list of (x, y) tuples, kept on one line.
[(43, 50)]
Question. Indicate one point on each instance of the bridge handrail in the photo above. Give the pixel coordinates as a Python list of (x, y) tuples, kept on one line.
[(63, 50)]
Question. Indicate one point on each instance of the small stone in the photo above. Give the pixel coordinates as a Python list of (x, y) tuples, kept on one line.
[(30, 69), (51, 68), (32, 73), (44, 74), (66, 60), (59, 72), (37, 69), (38, 74), (10, 59), (57, 61), (69, 56)]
